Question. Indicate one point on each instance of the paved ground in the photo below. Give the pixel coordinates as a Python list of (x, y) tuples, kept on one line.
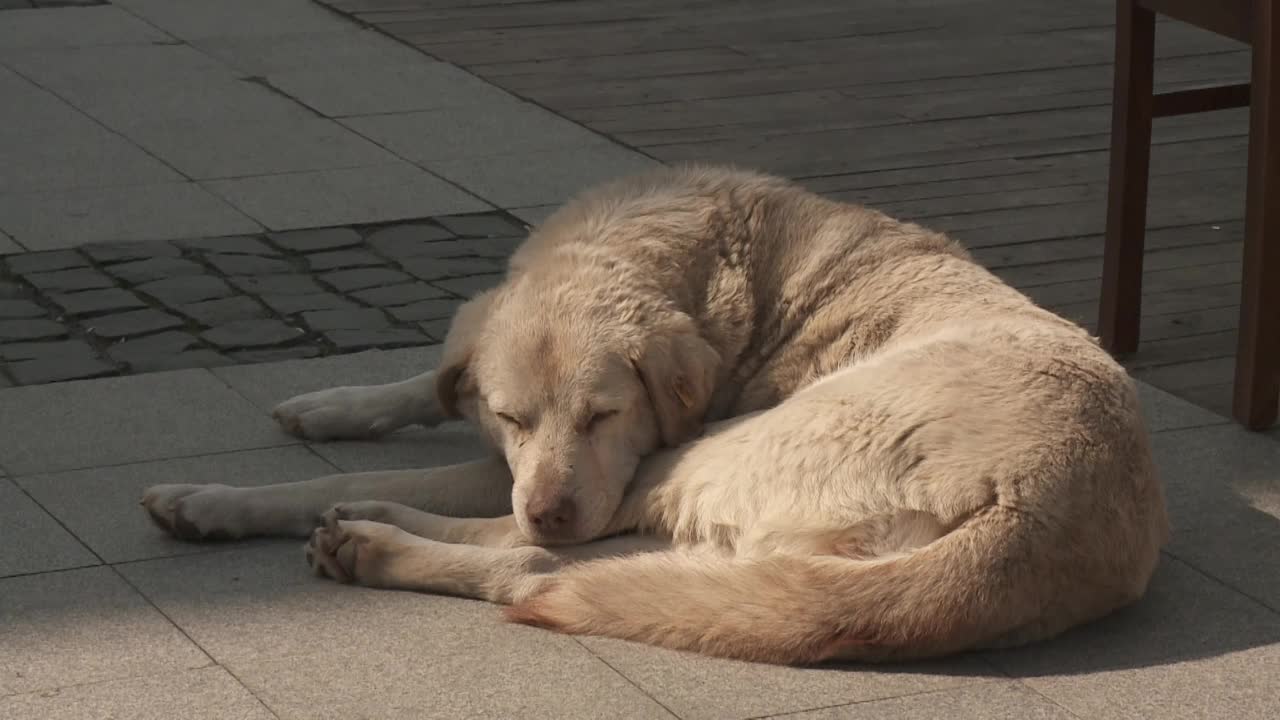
[(212, 183), (985, 118)]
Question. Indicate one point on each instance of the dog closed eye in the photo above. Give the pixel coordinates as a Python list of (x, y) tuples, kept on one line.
[(596, 418)]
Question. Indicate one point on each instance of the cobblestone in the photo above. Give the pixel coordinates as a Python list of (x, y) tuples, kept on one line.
[(20, 309), (30, 329), (252, 333), (346, 319), (445, 268), (181, 290), (294, 304), (359, 279), (487, 225), (426, 310), (132, 323), (60, 367), (344, 259), (44, 261), (305, 241), (353, 340), (91, 302), (399, 294), (140, 271), (248, 264), (68, 280), (223, 310), (117, 308), (109, 253)]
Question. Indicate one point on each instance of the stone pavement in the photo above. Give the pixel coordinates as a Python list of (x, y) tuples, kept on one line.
[(217, 185), (200, 134), (103, 616)]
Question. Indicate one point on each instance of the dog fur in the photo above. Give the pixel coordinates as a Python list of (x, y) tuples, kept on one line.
[(848, 439)]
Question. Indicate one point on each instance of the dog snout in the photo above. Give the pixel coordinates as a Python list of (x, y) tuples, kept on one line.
[(552, 514)]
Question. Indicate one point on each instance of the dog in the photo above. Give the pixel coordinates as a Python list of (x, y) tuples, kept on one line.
[(846, 439)]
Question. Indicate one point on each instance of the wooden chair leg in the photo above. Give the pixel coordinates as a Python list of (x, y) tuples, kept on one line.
[(1121, 303), (1257, 382)]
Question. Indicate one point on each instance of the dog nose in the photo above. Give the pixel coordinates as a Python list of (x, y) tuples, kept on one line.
[(554, 514)]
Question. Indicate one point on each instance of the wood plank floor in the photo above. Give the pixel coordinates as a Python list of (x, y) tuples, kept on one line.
[(985, 118)]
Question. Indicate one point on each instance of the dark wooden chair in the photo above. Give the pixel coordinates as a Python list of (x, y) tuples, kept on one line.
[(1257, 375)]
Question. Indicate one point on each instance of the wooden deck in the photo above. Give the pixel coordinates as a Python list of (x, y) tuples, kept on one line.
[(985, 118)]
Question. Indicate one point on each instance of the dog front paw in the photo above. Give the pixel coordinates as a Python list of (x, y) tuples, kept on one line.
[(193, 512), (341, 413)]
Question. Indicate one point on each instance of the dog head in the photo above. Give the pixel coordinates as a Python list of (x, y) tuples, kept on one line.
[(574, 388)]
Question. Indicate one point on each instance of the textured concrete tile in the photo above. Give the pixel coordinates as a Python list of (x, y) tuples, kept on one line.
[(268, 384), (74, 27), (695, 686), (91, 423), (1191, 648), (100, 505), (541, 178), (337, 197), (504, 127), (265, 55), (536, 214), (271, 144), (89, 76), (35, 541), (365, 90), (205, 694), (986, 701), (1223, 490), (1164, 411), (410, 448), (291, 638), (83, 626), (192, 19), (45, 144), (69, 218)]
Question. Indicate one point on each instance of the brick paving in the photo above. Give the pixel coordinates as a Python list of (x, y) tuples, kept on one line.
[(126, 308)]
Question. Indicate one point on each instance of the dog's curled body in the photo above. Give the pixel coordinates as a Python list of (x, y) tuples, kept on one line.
[(861, 444), (923, 461)]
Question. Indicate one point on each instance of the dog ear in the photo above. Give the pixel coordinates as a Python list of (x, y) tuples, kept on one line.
[(453, 381), (679, 372)]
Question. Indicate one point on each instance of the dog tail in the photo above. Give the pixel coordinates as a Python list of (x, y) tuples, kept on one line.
[(998, 578)]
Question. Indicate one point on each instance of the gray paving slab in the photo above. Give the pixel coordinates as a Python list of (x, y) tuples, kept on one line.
[(504, 126), (35, 541), (536, 214), (194, 19), (267, 384), (265, 55), (74, 27), (696, 687), (204, 694), (986, 701), (83, 626), (87, 76), (541, 178), (392, 191), (1223, 488), (261, 613), (7, 245), (365, 90), (1192, 648), (92, 423), (68, 218), (46, 144), (1164, 411), (100, 505)]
